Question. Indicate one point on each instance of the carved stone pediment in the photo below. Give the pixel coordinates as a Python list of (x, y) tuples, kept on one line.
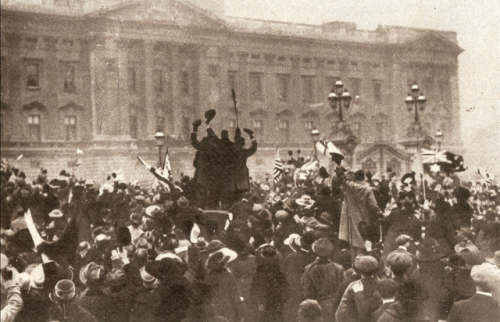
[(171, 12), (434, 42)]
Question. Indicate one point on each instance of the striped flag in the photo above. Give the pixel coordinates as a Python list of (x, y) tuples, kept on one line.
[(278, 168)]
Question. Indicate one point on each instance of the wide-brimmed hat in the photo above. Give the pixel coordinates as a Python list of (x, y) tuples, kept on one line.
[(148, 280), (408, 178), (322, 247), (304, 201), (428, 251), (56, 213), (210, 114), (281, 214), (214, 246), (65, 291), (91, 272), (485, 275), (152, 210)]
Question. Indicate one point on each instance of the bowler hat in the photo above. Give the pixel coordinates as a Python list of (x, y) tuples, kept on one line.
[(149, 281), (56, 213), (210, 114), (322, 247), (65, 291), (183, 202)]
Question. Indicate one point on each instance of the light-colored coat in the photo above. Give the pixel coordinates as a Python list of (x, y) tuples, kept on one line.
[(359, 205)]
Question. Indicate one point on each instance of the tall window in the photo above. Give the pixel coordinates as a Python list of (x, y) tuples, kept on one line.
[(256, 86), (377, 91), (69, 77), (158, 80), (307, 89), (258, 126), (160, 124), (283, 87), (34, 131), (354, 87), (134, 123), (70, 128), (33, 75), (132, 79), (184, 82), (284, 127)]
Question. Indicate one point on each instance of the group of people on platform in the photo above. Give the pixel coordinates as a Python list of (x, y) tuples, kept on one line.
[(221, 173), (347, 246)]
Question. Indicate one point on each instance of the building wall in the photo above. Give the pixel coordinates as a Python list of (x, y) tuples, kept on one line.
[(131, 78)]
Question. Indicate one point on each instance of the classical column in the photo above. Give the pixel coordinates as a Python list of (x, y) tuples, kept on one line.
[(295, 84), (150, 117), (121, 126), (454, 110), (242, 81)]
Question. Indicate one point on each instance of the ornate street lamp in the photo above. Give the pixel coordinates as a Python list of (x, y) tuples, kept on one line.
[(340, 98), (439, 135), (415, 101), (160, 140)]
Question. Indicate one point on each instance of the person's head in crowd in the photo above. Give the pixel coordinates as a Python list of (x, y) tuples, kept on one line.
[(307, 240), (323, 248), (410, 295), (65, 292), (92, 275), (367, 266), (116, 280), (266, 255), (403, 240), (485, 276), (359, 175), (310, 311), (387, 289), (399, 263), (140, 257)]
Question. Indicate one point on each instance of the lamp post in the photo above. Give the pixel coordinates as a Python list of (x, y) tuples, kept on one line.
[(341, 135), (160, 138), (416, 101), (439, 135), (340, 98)]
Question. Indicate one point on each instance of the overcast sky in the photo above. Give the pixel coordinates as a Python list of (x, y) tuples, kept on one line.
[(477, 23)]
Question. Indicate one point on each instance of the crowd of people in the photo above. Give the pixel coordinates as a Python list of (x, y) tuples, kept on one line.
[(346, 246)]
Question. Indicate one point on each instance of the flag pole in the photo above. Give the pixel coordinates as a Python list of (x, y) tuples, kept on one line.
[(233, 93)]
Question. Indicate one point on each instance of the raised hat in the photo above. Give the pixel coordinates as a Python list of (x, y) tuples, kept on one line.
[(152, 210), (91, 272), (56, 213), (293, 241), (305, 200), (322, 247), (210, 114), (37, 277)]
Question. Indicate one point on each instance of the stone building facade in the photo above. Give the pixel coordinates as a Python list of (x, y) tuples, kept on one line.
[(104, 76)]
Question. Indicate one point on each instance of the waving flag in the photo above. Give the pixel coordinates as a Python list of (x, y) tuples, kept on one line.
[(167, 169), (278, 168)]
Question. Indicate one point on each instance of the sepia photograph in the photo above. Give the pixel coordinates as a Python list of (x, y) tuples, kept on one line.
[(250, 160)]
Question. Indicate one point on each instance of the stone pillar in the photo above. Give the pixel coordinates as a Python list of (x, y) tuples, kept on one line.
[(121, 125), (149, 108), (454, 137), (295, 84), (243, 81)]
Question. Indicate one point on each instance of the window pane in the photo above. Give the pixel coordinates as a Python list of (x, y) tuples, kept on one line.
[(184, 82), (377, 91), (158, 80), (283, 84), (69, 77), (72, 120), (66, 120), (307, 89), (32, 76), (131, 79), (256, 86), (354, 87)]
